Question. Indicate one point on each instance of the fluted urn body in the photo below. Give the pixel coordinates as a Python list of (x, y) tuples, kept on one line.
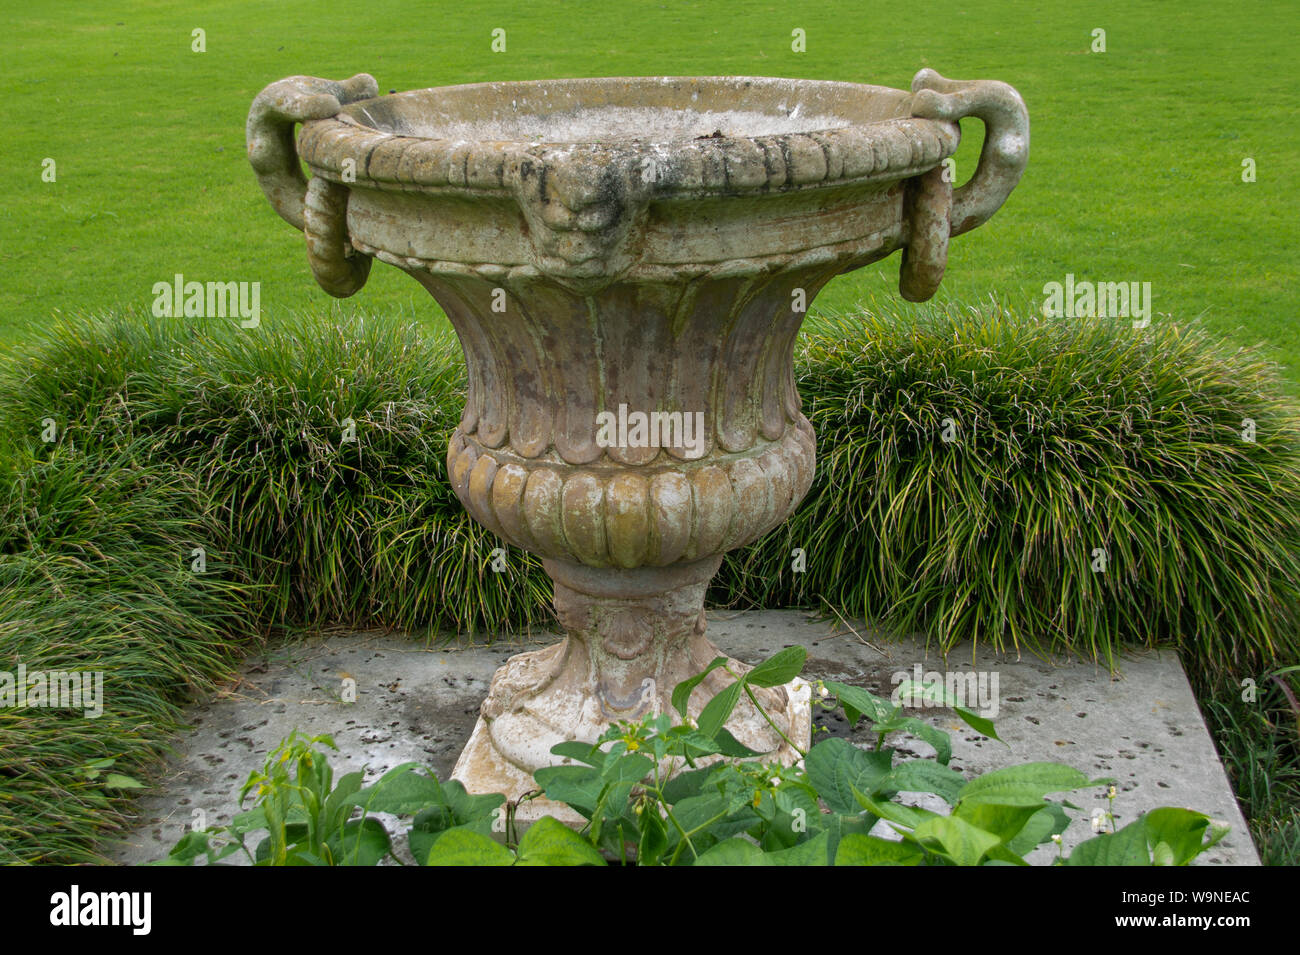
[(627, 263)]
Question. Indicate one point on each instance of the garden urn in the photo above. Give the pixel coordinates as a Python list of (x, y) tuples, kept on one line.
[(627, 263)]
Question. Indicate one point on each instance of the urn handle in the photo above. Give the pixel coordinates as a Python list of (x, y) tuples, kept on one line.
[(318, 208), (1006, 139)]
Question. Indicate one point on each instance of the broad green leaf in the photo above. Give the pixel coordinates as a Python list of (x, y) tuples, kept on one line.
[(461, 810), (653, 843), (689, 782), (728, 745), (1162, 854), (1005, 822), (717, 710), (1218, 830), (579, 786), (469, 808), (421, 842), (859, 702), (838, 826), (248, 821), (911, 692), (796, 814), (737, 851), (791, 796), (694, 744), (293, 833), (338, 805), (550, 842), (858, 849), (908, 816), (696, 812), (463, 847), (780, 668), (963, 843), (836, 767), (921, 730), (1024, 785), (589, 754), (301, 856), (740, 851), (362, 842), (401, 791), (613, 804), (978, 723), (191, 845), (626, 767), (1001, 855), (682, 691), (922, 775), (1182, 830), (1127, 847), (1042, 825)]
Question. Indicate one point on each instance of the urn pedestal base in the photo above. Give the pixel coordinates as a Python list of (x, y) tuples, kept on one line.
[(632, 636)]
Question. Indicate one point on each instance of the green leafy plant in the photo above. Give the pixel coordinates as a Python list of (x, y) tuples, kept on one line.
[(660, 791)]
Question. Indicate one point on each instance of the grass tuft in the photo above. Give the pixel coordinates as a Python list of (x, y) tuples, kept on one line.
[(1076, 445), (320, 449)]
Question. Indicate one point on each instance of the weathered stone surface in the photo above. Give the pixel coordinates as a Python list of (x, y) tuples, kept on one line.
[(649, 244), (420, 703)]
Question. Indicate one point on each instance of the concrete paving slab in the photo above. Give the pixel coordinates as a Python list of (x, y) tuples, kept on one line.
[(414, 702)]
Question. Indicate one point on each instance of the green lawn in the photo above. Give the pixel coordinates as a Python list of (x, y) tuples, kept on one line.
[(1135, 170)]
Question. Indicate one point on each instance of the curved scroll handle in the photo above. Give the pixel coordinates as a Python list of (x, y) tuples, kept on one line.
[(271, 149), (318, 208), (1006, 139)]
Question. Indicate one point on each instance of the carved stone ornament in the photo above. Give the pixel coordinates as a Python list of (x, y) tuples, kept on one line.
[(628, 250)]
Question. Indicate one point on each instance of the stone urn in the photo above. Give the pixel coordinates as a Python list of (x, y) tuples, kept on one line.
[(627, 263)]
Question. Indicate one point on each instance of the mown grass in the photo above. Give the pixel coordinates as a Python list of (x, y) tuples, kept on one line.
[(1135, 171), (1067, 437)]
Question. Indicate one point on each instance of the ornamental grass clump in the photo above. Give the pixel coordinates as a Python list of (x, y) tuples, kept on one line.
[(320, 449), (1057, 485), (96, 582)]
